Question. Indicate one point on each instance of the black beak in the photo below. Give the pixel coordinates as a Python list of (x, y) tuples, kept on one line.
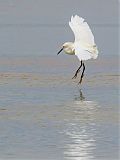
[(60, 51)]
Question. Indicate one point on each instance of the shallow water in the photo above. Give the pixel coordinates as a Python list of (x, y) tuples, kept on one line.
[(44, 114)]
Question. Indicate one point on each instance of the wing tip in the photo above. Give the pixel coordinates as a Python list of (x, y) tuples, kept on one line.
[(77, 19)]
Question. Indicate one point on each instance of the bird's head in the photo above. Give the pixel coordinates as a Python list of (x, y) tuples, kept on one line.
[(68, 48)]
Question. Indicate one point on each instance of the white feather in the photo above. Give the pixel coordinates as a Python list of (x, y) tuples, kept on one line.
[(85, 47), (84, 54), (81, 30)]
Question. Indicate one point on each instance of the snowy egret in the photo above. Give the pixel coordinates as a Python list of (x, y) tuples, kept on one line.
[(84, 46)]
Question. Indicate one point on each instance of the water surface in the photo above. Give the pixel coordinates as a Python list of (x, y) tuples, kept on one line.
[(44, 114)]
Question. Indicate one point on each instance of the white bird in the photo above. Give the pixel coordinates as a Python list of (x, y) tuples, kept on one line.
[(84, 46)]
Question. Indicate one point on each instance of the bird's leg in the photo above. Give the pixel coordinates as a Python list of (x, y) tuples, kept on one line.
[(78, 70), (82, 74)]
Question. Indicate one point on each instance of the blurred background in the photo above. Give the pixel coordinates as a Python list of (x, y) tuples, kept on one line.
[(40, 27)]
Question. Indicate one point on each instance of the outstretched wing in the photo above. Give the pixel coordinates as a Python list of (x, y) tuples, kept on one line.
[(81, 31)]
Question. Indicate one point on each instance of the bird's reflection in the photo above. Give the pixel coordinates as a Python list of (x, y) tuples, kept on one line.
[(81, 97), (80, 131)]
